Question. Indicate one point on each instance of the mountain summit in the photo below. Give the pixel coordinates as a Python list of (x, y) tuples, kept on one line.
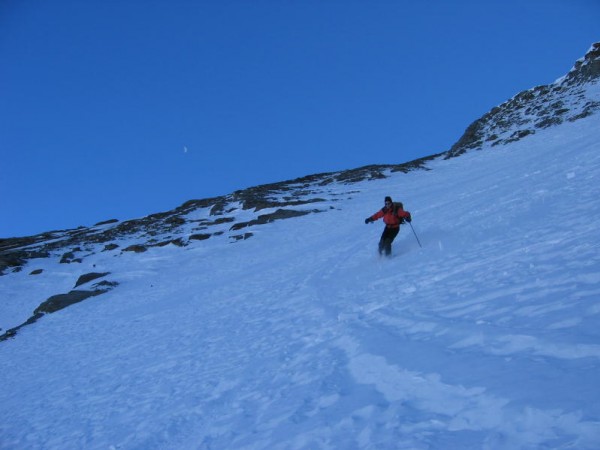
[(570, 98)]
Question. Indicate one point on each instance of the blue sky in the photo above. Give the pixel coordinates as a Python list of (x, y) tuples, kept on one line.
[(119, 109)]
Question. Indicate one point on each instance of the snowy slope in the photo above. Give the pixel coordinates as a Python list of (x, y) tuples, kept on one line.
[(303, 338)]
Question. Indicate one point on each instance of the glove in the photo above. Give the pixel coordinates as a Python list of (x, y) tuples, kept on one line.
[(368, 220), (408, 219)]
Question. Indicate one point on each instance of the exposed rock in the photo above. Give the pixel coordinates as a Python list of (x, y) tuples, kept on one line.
[(178, 242), (277, 215), (106, 222), (10, 261), (13, 331), (587, 68), (36, 272), (242, 237), (105, 284), (567, 99), (199, 237), (220, 221), (89, 277), (61, 301), (68, 258), (175, 220), (135, 248)]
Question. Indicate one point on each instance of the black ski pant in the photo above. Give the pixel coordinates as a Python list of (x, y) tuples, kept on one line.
[(387, 237)]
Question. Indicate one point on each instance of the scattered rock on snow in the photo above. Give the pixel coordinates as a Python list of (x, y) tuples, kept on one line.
[(89, 277)]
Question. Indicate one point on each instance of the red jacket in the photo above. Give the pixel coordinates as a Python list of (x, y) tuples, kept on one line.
[(391, 220)]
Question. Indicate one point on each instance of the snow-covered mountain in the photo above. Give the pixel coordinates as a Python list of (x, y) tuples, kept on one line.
[(265, 319)]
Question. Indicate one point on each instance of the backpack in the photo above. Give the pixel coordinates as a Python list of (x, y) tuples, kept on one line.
[(395, 207)]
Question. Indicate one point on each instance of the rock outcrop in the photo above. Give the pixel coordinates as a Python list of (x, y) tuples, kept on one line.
[(572, 97)]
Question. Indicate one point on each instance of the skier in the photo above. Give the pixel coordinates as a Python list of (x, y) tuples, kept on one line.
[(393, 215)]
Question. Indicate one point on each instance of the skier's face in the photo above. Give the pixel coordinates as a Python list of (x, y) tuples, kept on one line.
[(388, 204)]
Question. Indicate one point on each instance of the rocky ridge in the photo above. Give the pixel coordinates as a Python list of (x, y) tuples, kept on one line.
[(572, 97)]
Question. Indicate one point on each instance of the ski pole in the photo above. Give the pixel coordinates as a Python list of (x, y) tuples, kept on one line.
[(411, 227)]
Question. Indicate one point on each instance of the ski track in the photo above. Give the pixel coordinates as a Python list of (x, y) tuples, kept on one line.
[(302, 337)]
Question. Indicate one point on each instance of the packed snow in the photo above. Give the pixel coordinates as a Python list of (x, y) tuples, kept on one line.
[(303, 337)]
